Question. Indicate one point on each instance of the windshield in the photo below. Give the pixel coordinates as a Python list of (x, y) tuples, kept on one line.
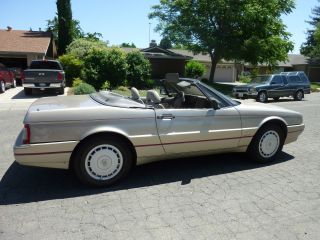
[(261, 79)]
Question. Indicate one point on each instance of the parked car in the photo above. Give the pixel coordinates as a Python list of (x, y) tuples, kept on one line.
[(6, 78), (43, 75), (286, 84), (103, 135)]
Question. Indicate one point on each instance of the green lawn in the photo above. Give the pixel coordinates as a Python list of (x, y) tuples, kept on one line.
[(315, 86)]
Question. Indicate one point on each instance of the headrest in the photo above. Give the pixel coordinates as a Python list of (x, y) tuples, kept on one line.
[(153, 96), (134, 94)]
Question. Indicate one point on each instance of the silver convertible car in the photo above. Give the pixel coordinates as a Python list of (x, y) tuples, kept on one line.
[(103, 135)]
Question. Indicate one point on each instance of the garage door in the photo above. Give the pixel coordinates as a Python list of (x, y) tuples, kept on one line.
[(314, 74)]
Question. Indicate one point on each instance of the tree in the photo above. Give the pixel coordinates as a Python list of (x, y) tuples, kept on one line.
[(139, 70), (165, 43), (312, 45), (65, 25), (247, 30), (128, 45)]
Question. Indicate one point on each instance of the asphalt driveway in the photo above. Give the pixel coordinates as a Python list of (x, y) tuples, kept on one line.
[(213, 197)]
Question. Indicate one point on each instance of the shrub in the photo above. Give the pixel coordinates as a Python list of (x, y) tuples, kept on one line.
[(244, 78), (82, 47), (139, 69), (101, 64), (195, 69), (76, 82), (72, 66), (106, 85), (122, 88), (83, 88)]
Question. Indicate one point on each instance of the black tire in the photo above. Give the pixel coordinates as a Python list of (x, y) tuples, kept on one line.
[(87, 167), (27, 91), (266, 150), (61, 90), (2, 86), (276, 98), (262, 97), (298, 96)]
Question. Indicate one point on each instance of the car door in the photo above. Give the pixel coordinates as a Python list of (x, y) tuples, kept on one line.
[(196, 126), (278, 88)]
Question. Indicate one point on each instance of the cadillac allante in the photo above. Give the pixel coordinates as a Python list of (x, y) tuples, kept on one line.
[(103, 135)]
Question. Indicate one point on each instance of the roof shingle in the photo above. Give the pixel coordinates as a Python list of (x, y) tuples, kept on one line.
[(21, 41)]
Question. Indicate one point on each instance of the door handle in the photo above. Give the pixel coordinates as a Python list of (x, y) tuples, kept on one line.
[(166, 116)]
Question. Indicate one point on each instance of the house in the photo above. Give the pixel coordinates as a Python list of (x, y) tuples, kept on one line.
[(19, 47)]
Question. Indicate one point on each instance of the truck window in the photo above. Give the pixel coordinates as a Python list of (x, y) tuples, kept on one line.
[(294, 79), (277, 80), (45, 65), (284, 79)]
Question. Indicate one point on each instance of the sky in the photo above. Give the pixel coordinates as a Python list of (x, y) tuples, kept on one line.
[(122, 20)]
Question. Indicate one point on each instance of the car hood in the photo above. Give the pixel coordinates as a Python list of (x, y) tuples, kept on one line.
[(268, 110), (73, 108)]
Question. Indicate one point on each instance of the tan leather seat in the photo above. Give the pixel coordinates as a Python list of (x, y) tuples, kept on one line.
[(153, 98), (135, 95)]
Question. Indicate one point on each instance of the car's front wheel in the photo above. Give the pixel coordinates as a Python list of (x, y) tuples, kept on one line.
[(266, 144), (262, 97), (102, 162), (298, 96), (2, 87)]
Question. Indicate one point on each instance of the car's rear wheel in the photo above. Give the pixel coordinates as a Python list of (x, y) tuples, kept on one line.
[(2, 86), (262, 97), (298, 96), (103, 162), (14, 83), (276, 98), (27, 91), (266, 144)]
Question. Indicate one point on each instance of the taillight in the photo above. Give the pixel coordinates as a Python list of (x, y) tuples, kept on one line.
[(60, 76), (26, 134), (22, 76)]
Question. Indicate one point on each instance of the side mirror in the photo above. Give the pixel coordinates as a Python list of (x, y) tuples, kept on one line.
[(215, 104)]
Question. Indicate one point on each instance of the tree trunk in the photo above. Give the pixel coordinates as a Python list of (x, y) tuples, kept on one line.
[(214, 62)]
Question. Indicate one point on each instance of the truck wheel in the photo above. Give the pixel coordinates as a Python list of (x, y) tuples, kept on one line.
[(102, 161), (266, 144), (27, 91), (298, 96), (61, 90), (262, 97), (2, 87)]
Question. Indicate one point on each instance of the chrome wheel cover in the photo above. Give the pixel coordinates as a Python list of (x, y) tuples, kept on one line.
[(299, 95), (262, 97), (269, 144), (103, 162)]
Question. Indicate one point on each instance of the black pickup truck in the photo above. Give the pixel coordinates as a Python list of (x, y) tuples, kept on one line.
[(44, 74)]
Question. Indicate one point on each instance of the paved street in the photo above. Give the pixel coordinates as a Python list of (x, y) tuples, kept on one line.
[(213, 197)]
